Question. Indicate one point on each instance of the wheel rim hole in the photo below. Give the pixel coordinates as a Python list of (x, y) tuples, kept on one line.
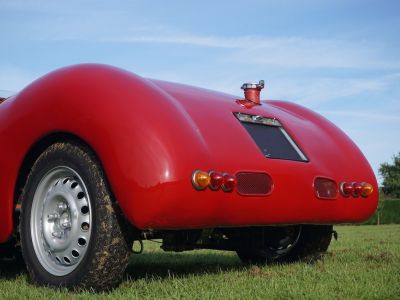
[(75, 254), (74, 185), (58, 259), (81, 195), (65, 180), (85, 226), (82, 241), (85, 209), (67, 260)]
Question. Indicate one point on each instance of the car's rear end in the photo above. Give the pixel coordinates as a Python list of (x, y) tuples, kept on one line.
[(268, 164), (268, 180)]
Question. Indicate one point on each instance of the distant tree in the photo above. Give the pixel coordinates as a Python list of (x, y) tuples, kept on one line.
[(391, 177)]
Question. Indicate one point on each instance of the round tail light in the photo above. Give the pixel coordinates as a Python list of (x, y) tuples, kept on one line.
[(216, 180), (200, 179), (367, 189), (346, 188), (229, 183), (357, 186), (356, 189)]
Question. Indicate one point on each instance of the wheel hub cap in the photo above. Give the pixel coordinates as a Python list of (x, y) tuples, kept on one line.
[(61, 221)]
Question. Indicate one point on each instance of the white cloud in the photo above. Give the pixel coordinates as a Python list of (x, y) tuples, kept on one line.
[(91, 23), (311, 91), (286, 52), (367, 116)]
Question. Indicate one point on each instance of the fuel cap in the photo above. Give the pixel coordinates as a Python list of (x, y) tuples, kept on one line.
[(252, 85), (252, 91)]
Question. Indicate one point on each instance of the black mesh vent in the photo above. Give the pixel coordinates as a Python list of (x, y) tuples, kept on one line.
[(250, 183)]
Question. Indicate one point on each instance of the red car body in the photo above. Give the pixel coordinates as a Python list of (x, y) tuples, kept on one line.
[(150, 136)]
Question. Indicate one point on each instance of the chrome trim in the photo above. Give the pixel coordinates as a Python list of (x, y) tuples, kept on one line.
[(341, 186), (257, 119), (252, 85), (195, 186), (299, 152)]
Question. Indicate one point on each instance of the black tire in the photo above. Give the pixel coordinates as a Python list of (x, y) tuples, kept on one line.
[(105, 258), (312, 242)]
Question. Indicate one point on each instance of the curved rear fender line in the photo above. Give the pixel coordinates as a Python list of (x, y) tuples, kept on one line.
[(35, 151), (138, 131)]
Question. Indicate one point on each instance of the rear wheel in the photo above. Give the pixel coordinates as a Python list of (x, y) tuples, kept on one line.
[(70, 233), (285, 244)]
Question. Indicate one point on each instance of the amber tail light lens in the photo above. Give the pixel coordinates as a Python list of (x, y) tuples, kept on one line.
[(367, 189), (325, 188), (200, 179)]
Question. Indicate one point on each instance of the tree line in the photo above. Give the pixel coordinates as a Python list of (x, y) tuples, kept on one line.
[(390, 173)]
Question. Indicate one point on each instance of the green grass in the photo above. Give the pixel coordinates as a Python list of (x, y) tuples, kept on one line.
[(363, 263)]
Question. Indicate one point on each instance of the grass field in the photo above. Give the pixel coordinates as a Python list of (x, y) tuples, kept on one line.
[(363, 263)]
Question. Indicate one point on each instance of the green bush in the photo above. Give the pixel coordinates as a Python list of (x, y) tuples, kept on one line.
[(388, 212)]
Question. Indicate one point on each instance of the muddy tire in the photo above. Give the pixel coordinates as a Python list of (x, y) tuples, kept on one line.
[(70, 231), (306, 243)]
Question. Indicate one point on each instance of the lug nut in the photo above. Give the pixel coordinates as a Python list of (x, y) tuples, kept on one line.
[(57, 234), (53, 217), (62, 206), (66, 225)]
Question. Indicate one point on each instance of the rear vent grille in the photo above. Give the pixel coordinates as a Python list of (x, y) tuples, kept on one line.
[(254, 184)]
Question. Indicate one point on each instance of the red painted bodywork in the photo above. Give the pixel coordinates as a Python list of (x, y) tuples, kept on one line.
[(151, 135)]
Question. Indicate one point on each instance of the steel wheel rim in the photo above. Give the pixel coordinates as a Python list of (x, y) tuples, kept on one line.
[(285, 245), (61, 219)]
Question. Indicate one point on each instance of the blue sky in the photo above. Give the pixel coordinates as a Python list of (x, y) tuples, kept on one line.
[(340, 58)]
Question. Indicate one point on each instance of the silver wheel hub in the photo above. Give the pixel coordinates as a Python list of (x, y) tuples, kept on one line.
[(61, 221)]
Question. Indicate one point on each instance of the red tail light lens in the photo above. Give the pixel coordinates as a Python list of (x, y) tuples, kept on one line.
[(216, 180), (229, 183), (346, 189), (357, 189), (325, 188)]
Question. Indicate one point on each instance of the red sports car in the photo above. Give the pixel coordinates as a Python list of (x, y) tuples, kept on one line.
[(93, 158)]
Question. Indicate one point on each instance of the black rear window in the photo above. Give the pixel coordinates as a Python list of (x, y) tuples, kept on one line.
[(272, 140)]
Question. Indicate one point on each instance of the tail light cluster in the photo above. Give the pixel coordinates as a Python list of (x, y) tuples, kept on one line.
[(213, 180), (326, 188), (356, 189)]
